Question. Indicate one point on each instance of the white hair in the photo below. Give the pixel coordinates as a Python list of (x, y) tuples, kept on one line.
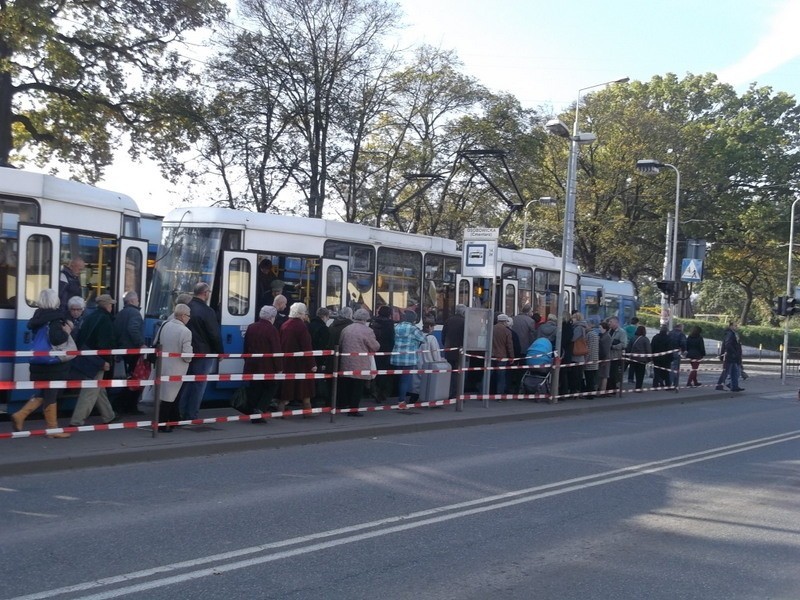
[(268, 313), (76, 302), (48, 298), (298, 309)]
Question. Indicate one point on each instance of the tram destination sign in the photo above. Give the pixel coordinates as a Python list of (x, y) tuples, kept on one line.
[(482, 233), (479, 253)]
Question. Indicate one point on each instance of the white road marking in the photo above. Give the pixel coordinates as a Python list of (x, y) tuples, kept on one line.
[(66, 498), (395, 524), (3, 489), (33, 514)]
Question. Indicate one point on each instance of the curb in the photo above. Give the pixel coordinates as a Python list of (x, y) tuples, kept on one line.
[(229, 446)]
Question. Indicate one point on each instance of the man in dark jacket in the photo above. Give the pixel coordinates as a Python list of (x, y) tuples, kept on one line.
[(97, 333), (342, 320), (321, 340), (731, 354), (128, 326), (383, 326), (206, 339), (453, 337), (69, 282)]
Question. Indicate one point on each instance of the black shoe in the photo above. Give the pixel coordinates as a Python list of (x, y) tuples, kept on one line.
[(355, 414), (114, 419), (737, 390), (720, 388), (165, 429)]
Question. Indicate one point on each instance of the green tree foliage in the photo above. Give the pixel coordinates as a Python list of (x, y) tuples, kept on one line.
[(73, 74), (738, 159)]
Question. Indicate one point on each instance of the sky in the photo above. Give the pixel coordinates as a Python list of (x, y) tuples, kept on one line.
[(544, 55)]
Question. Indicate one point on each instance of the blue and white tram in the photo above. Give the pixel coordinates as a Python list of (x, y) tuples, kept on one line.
[(603, 298), (44, 222), (332, 264)]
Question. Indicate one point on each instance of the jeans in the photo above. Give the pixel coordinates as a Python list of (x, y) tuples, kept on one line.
[(498, 380), (191, 394), (676, 370), (404, 383)]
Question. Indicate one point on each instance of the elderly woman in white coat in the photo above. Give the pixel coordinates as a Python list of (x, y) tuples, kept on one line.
[(357, 337), (174, 337)]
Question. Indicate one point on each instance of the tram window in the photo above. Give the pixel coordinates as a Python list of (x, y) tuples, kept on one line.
[(133, 272), (12, 213), (238, 287), (187, 256), (439, 299), (130, 226), (333, 289), (39, 252), (545, 292), (360, 273), (100, 256), (463, 292), (399, 278), (510, 300), (524, 277)]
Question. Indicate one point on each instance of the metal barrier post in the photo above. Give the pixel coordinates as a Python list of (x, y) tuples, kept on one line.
[(157, 391), (335, 383), (461, 376)]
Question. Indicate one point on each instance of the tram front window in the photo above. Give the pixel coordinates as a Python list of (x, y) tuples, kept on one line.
[(186, 256)]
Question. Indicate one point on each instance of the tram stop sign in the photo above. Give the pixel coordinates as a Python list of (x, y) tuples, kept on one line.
[(479, 252)]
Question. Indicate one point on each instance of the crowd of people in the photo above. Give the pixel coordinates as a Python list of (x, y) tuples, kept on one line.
[(595, 355)]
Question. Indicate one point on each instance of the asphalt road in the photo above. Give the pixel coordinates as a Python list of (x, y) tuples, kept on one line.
[(692, 501)]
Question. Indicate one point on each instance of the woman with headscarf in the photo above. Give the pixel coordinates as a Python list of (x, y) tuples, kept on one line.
[(356, 338), (296, 338)]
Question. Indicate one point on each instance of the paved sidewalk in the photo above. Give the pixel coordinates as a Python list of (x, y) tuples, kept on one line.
[(119, 446)]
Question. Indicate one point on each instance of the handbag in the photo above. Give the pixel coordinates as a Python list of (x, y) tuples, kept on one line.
[(41, 343), (240, 402), (141, 371), (580, 347)]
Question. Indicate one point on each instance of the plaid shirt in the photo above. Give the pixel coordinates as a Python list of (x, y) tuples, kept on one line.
[(407, 339)]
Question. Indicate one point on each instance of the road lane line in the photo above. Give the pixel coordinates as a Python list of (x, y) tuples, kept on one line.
[(396, 524)]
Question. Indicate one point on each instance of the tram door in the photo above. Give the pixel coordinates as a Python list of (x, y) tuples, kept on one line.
[(464, 287), (334, 284), (131, 270), (237, 304), (508, 299), (37, 269)]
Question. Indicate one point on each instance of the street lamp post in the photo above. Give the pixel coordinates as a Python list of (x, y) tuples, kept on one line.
[(556, 127), (651, 166), (544, 200), (789, 294)]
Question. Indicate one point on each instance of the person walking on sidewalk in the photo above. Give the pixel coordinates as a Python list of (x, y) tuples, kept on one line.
[(732, 359), (261, 337), (128, 329), (695, 352), (50, 315), (356, 338), (97, 333), (619, 342), (641, 354), (174, 338), (206, 339)]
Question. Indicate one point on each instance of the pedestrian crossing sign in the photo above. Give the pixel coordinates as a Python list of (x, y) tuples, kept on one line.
[(692, 270)]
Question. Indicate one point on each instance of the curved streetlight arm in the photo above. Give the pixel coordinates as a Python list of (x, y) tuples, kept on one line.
[(591, 87), (789, 294)]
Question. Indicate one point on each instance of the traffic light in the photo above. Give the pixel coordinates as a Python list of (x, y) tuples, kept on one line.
[(791, 306), (779, 306), (667, 287)]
